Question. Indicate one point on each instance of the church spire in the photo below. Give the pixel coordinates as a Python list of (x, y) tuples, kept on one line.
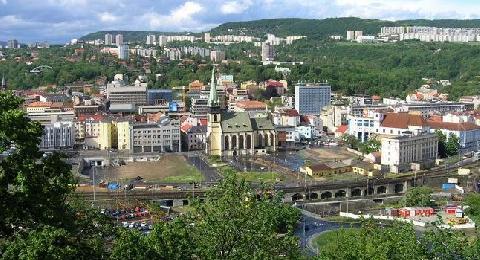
[(213, 97)]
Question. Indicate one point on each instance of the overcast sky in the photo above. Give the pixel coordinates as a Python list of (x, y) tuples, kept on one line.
[(62, 20)]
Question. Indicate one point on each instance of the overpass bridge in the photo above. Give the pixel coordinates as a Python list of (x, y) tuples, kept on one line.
[(317, 192)]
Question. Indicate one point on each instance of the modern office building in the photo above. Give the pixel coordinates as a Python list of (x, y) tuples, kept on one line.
[(311, 98), (136, 95), (119, 39), (58, 135), (159, 96), (108, 39)]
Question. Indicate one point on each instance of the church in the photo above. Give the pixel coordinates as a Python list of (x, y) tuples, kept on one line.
[(237, 133)]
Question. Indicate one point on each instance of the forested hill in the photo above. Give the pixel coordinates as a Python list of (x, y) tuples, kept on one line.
[(316, 28), (313, 28)]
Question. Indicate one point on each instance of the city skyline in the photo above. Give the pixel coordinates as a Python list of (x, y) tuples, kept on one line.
[(58, 21)]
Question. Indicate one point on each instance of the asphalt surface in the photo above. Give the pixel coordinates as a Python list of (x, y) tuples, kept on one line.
[(209, 173)]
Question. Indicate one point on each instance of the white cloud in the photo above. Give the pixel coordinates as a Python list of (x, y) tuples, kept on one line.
[(107, 17), (182, 17), (4, 2), (235, 7), (404, 9)]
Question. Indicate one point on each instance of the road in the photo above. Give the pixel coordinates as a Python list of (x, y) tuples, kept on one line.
[(209, 172)]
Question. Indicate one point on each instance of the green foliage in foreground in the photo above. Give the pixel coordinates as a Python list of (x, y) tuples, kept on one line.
[(473, 211), (233, 223), (399, 241), (418, 197)]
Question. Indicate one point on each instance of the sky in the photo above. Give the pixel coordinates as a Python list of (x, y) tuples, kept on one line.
[(58, 21)]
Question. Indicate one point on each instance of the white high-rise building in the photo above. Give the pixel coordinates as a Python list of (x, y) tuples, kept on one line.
[(268, 52), (123, 52), (350, 35), (162, 40), (108, 39), (119, 39), (151, 39), (208, 37), (217, 56)]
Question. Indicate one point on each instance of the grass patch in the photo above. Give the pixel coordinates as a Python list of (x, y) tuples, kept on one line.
[(330, 237), (348, 176), (340, 219), (266, 177), (189, 174)]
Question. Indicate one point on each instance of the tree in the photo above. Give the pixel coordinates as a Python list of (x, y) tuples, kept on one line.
[(351, 141), (33, 187), (472, 200), (237, 222), (453, 145), (418, 197), (234, 222), (370, 241), (370, 146), (442, 142)]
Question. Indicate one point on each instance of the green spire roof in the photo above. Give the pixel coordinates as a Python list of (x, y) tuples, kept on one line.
[(213, 97)]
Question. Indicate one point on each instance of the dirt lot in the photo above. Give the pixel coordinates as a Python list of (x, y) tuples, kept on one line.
[(327, 154), (170, 168)]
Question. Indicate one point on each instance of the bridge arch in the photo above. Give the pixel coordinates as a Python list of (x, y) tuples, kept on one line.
[(356, 192), (399, 188), (326, 195), (370, 191), (381, 189), (313, 196), (340, 194), (297, 196)]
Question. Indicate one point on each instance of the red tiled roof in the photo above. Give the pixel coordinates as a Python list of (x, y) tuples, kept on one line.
[(291, 112), (96, 117), (453, 126), (274, 83), (40, 104), (402, 120), (320, 167), (185, 127), (203, 121), (342, 129), (251, 104)]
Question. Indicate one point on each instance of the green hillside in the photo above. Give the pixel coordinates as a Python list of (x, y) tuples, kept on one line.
[(313, 28)]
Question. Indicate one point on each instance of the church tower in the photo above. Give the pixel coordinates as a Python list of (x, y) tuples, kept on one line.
[(214, 129)]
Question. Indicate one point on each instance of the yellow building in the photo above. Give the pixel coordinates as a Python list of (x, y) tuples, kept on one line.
[(123, 135), (248, 84), (105, 136), (326, 169)]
